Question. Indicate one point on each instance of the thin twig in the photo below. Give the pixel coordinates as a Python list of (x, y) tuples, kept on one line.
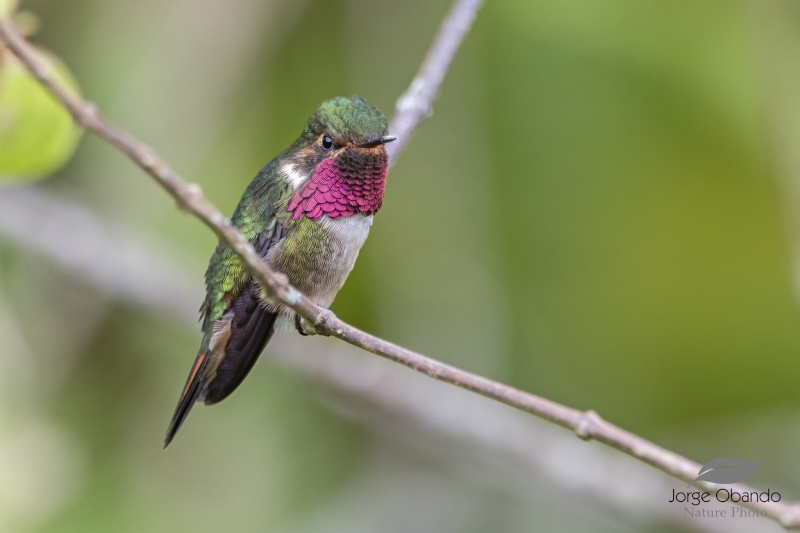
[(587, 425), (415, 104)]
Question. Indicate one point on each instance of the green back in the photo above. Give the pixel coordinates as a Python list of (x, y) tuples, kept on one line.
[(255, 214)]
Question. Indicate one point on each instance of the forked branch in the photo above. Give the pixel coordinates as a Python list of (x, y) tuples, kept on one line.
[(412, 108)]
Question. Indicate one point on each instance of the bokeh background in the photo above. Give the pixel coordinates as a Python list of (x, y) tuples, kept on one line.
[(604, 209)]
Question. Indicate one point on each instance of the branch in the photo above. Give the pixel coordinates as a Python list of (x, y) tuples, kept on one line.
[(415, 104), (587, 425)]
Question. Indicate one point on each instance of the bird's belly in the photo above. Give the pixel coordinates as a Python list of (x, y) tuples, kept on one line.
[(317, 256)]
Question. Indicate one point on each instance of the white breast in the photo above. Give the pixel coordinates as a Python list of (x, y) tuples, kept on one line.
[(346, 235), (351, 232)]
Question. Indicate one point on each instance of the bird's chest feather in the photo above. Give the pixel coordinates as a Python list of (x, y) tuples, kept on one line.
[(327, 214), (318, 255)]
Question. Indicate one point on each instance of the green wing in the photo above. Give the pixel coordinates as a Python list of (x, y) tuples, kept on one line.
[(255, 216)]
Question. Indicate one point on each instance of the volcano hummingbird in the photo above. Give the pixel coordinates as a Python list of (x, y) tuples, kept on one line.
[(307, 213)]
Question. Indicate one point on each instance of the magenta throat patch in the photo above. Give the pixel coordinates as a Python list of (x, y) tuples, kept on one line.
[(339, 190)]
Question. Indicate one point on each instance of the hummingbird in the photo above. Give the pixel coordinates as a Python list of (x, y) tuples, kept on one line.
[(307, 213)]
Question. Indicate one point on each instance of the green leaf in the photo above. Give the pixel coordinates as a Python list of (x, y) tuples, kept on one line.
[(37, 135), (7, 7)]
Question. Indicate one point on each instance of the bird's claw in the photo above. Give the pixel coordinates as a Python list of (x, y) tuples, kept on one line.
[(303, 327)]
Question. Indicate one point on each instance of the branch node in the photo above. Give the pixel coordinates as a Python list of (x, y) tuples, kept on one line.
[(585, 429), (88, 116), (148, 159), (411, 101), (323, 321), (191, 195)]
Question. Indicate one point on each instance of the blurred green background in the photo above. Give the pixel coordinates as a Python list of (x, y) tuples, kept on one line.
[(603, 210)]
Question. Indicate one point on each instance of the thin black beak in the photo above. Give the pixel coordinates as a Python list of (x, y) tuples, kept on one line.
[(372, 142)]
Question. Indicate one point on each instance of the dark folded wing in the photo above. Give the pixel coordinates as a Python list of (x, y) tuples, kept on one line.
[(251, 326), (251, 329)]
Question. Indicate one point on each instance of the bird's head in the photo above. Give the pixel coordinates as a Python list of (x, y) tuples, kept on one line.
[(342, 145), (350, 130), (341, 123)]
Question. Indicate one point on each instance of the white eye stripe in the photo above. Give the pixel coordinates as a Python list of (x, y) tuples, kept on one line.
[(293, 176)]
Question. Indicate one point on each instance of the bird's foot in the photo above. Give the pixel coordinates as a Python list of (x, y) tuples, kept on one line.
[(320, 326), (303, 327)]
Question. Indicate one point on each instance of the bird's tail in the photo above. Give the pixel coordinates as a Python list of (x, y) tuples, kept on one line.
[(191, 392)]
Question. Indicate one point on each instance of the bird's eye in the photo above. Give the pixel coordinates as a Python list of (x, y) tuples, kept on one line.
[(327, 142)]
